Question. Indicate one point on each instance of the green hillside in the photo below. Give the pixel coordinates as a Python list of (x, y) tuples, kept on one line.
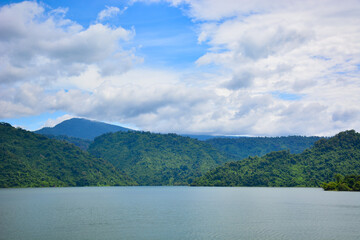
[(243, 147), (81, 128), (337, 155), (83, 144), (32, 160), (343, 183), (157, 159)]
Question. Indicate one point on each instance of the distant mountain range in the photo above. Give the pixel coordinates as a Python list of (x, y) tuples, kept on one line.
[(133, 157), (82, 132), (81, 128)]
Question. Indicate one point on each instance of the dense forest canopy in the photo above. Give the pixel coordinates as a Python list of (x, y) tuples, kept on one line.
[(32, 160), (82, 131), (144, 158), (83, 144), (243, 147), (339, 154), (157, 159), (343, 183)]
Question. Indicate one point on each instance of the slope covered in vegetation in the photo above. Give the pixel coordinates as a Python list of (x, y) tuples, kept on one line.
[(83, 144), (32, 160), (243, 147), (339, 154), (347, 183), (157, 159)]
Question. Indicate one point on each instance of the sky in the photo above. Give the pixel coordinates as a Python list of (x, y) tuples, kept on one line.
[(230, 67)]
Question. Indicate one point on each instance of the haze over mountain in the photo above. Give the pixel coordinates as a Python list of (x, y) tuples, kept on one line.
[(32, 160), (337, 155), (81, 128)]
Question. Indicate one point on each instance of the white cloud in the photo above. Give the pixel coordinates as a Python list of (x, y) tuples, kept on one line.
[(56, 121), (308, 48), (55, 46), (283, 67), (110, 12)]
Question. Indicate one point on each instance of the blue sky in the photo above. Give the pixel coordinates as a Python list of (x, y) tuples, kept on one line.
[(164, 37), (186, 66)]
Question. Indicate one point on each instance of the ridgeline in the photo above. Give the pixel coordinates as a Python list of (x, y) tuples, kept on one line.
[(339, 154)]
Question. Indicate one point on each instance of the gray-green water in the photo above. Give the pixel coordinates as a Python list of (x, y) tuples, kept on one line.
[(178, 213)]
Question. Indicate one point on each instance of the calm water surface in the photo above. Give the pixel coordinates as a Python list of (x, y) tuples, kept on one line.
[(178, 213)]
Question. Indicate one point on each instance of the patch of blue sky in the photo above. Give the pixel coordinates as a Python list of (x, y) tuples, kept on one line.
[(234, 16), (287, 96), (33, 123), (341, 72), (321, 58), (165, 36), (338, 69)]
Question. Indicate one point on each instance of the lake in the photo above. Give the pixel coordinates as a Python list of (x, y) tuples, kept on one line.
[(178, 213)]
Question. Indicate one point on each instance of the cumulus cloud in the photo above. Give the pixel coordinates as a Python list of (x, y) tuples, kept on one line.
[(243, 80), (265, 55), (40, 45), (309, 49)]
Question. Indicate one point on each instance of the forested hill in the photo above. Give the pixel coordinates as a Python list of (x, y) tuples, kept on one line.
[(337, 155), (81, 128), (83, 144), (157, 159), (31, 160), (82, 131), (242, 147)]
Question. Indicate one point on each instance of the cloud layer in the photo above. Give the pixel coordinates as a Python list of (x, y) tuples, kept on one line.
[(275, 68)]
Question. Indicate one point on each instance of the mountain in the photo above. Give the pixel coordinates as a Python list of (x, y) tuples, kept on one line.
[(82, 131), (81, 128), (31, 160), (157, 159), (242, 147), (337, 155), (83, 144)]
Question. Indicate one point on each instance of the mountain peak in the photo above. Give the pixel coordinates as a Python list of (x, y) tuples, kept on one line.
[(81, 128)]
